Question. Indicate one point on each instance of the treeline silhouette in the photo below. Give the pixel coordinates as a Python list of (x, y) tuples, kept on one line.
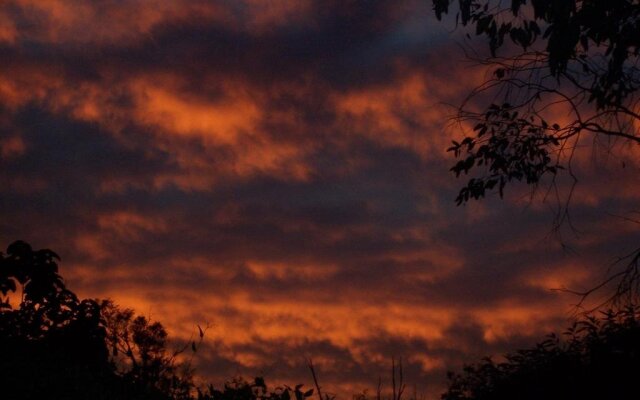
[(598, 357), (56, 346)]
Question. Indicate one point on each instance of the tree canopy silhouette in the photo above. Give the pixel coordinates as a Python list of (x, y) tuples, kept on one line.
[(582, 55), (55, 346), (139, 353), (241, 389), (565, 75), (51, 343), (598, 358)]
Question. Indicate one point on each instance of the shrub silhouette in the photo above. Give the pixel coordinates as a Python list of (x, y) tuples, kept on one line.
[(52, 343), (55, 346), (138, 352), (598, 359), (240, 389)]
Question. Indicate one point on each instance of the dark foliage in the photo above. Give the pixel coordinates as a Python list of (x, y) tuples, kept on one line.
[(240, 389), (52, 342), (55, 346), (578, 56), (564, 75), (598, 358), (139, 353), (514, 149)]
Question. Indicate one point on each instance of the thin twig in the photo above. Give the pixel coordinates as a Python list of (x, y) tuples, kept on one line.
[(402, 385), (393, 377), (315, 378)]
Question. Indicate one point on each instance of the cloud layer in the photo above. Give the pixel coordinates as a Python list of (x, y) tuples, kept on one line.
[(278, 169)]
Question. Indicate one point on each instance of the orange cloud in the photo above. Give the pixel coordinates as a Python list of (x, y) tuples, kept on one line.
[(85, 22), (8, 30), (12, 146), (389, 114), (220, 122)]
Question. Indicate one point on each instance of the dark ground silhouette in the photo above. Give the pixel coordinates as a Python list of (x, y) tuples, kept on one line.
[(55, 346), (599, 358)]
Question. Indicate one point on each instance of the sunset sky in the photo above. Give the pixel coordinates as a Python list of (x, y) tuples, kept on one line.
[(278, 169)]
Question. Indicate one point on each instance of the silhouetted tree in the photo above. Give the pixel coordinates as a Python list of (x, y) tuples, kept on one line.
[(599, 358), (565, 73), (140, 354), (51, 343), (54, 346), (240, 389), (583, 54)]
